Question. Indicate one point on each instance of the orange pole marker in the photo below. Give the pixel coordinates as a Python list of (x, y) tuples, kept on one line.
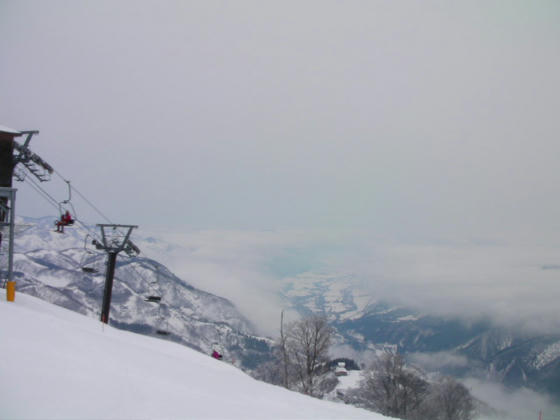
[(11, 291)]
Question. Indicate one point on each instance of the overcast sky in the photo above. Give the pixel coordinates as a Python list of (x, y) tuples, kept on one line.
[(414, 117), (430, 121)]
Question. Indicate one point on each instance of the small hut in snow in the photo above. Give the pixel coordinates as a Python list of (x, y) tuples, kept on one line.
[(340, 369)]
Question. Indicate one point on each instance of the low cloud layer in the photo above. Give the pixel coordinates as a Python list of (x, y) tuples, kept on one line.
[(433, 362), (507, 404), (506, 283), (232, 264)]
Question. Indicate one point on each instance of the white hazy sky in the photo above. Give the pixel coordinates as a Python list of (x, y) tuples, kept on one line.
[(430, 122), (402, 117)]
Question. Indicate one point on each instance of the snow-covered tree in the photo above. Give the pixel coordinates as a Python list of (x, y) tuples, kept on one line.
[(300, 357), (307, 344), (448, 399), (392, 388)]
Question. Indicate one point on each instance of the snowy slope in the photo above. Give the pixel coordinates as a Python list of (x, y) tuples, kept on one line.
[(59, 364), (48, 265)]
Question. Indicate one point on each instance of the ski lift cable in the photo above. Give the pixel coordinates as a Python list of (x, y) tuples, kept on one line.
[(46, 196), (93, 234), (41, 191), (57, 205), (50, 199), (100, 213), (153, 290), (131, 247), (72, 187), (37, 187)]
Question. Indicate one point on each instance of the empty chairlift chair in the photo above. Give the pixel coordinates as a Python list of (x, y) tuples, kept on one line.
[(88, 263)]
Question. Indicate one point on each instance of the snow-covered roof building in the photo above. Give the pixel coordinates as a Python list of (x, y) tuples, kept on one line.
[(340, 369), (4, 129)]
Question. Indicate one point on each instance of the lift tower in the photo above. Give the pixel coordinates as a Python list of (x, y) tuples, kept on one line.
[(115, 238)]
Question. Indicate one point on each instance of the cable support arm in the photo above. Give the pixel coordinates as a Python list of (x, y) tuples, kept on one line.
[(26, 157)]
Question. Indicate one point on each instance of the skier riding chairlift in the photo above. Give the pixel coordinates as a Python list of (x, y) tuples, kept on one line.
[(65, 220)]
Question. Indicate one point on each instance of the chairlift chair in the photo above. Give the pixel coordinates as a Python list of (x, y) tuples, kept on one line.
[(163, 328), (155, 296), (63, 222), (89, 268), (67, 206)]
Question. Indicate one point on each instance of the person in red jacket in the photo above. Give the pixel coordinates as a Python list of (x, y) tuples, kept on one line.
[(65, 220), (216, 355)]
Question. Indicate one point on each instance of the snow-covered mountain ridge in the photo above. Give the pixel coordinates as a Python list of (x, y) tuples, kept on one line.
[(478, 349), (334, 295), (50, 266)]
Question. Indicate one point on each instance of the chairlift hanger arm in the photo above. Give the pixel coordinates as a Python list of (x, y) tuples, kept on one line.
[(69, 192)]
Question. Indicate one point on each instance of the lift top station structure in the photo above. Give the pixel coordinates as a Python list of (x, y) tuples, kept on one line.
[(12, 153)]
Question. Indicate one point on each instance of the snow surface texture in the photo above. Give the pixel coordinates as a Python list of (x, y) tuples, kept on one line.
[(59, 364), (345, 384)]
